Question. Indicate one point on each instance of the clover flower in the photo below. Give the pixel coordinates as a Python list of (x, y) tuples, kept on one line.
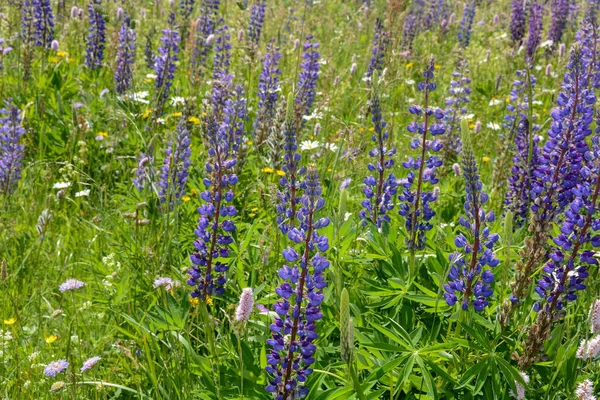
[(470, 280), (301, 294), (415, 201)]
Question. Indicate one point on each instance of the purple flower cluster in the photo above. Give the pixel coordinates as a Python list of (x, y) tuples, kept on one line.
[(526, 160), (416, 202), (301, 294), (144, 171), (175, 170), (518, 103), (96, 39), (290, 184), (307, 81), (11, 151), (560, 12), (186, 8), (268, 90), (215, 224), (164, 64), (205, 28), (222, 78), (517, 21), (255, 24), (409, 31), (470, 280), (27, 26), (459, 94), (44, 22), (125, 56), (464, 30), (536, 26), (379, 190), (380, 43)]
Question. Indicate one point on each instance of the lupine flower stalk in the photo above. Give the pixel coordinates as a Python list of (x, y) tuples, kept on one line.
[(205, 27), (558, 171), (27, 36), (415, 200), (307, 80), (517, 21), (290, 182), (379, 190), (44, 22), (294, 329), (176, 165), (96, 39), (222, 79), (464, 31), (215, 224), (560, 12), (186, 8), (526, 160), (380, 43), (11, 151), (536, 16), (164, 64), (565, 272), (255, 24), (268, 94), (125, 56), (144, 172), (459, 94), (409, 32), (470, 280)]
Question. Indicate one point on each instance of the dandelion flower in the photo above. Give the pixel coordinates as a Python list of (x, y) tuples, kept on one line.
[(10, 321)]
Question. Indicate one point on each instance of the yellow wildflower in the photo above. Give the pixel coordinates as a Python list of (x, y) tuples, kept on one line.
[(361, 129), (147, 113), (409, 65), (194, 191), (177, 114), (252, 215), (328, 169), (53, 59), (508, 99), (102, 133), (250, 143), (472, 126), (51, 339), (209, 300), (148, 80), (255, 209), (268, 170), (194, 120), (437, 66), (486, 159), (62, 54), (186, 198), (280, 172), (371, 129), (194, 301), (71, 59), (10, 321)]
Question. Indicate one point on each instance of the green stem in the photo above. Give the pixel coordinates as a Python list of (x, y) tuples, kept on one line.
[(211, 346)]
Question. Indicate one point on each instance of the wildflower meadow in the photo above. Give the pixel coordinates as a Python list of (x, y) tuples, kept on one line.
[(286, 199)]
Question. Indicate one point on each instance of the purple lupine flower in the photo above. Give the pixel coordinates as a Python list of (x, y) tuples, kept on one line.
[(380, 43), (44, 22), (27, 23), (288, 198), (96, 39), (459, 95), (164, 64), (11, 151), (409, 31), (469, 279), (415, 202), (587, 38), (55, 368), (144, 171), (307, 80), (268, 92), (518, 104), (301, 294), (215, 224), (204, 28), (186, 8), (125, 56), (222, 78), (257, 18), (518, 198), (175, 170), (560, 12), (464, 31), (379, 190), (534, 37), (560, 166), (517, 21)]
